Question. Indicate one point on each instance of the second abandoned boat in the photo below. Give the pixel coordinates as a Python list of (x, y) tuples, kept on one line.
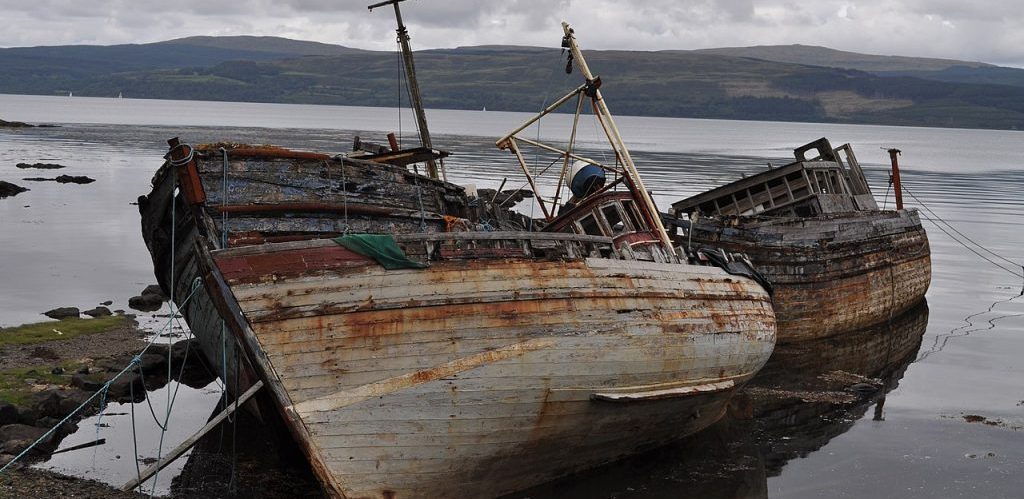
[(427, 356), (836, 261)]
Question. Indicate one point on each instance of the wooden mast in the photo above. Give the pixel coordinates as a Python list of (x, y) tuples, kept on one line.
[(414, 88), (613, 135)]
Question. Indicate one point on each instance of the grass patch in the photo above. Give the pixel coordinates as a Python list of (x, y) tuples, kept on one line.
[(66, 329), (17, 385)]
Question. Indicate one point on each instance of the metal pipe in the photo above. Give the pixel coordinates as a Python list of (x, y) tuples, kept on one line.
[(568, 151), (541, 145), (896, 177), (547, 110), (515, 149)]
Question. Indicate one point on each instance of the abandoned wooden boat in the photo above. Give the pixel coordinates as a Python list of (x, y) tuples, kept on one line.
[(412, 351), (836, 261)]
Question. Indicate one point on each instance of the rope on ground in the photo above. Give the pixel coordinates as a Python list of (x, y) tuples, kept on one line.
[(101, 392), (172, 398), (935, 219)]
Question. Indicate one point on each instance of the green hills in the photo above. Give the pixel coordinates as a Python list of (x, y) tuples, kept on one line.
[(781, 83)]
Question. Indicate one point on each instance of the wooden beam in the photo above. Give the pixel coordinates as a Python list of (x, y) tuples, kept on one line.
[(191, 441)]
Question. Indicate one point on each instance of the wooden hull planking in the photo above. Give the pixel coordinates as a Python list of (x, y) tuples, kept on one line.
[(832, 273), (478, 378), (488, 372)]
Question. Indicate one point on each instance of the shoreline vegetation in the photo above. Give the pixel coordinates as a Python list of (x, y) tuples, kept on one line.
[(49, 369)]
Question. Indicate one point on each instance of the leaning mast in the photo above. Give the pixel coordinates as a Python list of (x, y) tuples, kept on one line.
[(414, 88), (616, 140)]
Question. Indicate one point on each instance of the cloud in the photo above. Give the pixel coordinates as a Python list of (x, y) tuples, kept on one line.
[(989, 31)]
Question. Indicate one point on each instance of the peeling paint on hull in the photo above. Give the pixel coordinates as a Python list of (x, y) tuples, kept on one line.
[(488, 395)]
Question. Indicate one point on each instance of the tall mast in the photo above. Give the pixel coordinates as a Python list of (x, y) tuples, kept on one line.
[(414, 88), (620, 147)]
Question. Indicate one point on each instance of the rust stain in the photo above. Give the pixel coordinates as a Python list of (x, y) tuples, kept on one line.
[(346, 398), (269, 152), (543, 416), (289, 264)]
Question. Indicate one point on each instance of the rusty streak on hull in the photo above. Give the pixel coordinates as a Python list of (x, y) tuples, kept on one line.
[(480, 376)]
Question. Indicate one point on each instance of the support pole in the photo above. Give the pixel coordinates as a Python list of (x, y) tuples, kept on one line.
[(649, 208), (529, 177), (191, 441), (896, 177), (414, 87)]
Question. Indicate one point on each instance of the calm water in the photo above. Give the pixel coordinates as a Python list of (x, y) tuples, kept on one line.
[(77, 245)]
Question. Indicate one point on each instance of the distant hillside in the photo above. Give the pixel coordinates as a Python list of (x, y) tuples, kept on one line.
[(823, 56), (947, 70), (57, 69), (700, 84), (263, 44)]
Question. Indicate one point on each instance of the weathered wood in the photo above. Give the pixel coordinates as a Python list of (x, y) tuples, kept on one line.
[(191, 441), (832, 273), (662, 393), (812, 187), (472, 377), (414, 374)]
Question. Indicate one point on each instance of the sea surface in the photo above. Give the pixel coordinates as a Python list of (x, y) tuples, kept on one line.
[(78, 245)]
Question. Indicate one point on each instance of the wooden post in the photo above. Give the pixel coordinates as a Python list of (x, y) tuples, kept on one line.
[(414, 87), (181, 157), (896, 177), (189, 442)]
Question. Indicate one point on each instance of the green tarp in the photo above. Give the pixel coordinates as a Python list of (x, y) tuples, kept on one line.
[(380, 247)]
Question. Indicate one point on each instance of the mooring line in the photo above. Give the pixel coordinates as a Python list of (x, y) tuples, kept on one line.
[(935, 217), (137, 360)]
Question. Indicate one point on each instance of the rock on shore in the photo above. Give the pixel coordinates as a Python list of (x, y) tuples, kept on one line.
[(150, 300), (14, 124), (40, 166), (9, 189), (28, 482), (62, 313), (63, 179)]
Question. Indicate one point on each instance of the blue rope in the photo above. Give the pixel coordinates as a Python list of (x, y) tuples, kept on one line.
[(102, 391)]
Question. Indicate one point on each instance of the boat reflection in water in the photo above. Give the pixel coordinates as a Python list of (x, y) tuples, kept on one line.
[(807, 394)]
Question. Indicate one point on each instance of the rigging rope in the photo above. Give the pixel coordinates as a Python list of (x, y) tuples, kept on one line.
[(401, 72), (224, 201), (136, 361), (934, 216), (344, 192), (885, 201)]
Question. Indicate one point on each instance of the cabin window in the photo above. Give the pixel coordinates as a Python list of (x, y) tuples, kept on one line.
[(822, 180), (632, 215), (614, 218), (590, 226)]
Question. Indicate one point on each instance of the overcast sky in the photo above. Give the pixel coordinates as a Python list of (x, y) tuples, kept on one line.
[(978, 30)]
